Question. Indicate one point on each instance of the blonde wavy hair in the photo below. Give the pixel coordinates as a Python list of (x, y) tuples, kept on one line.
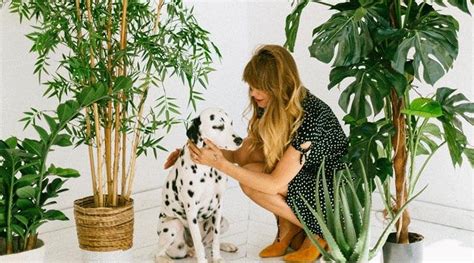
[(273, 70)]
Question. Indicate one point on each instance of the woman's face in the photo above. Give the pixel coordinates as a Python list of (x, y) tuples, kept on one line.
[(260, 97)]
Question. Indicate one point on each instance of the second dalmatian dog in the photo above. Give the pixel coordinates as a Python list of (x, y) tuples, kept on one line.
[(192, 194)]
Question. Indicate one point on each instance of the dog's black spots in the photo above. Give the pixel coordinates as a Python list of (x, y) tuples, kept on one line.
[(179, 213), (190, 193), (211, 117), (165, 229), (204, 144), (181, 181), (167, 203), (176, 173), (196, 202), (213, 220), (161, 215), (189, 205), (158, 232), (215, 231), (190, 182), (203, 180), (217, 180), (209, 208), (217, 196), (182, 152), (219, 177), (182, 162), (181, 246), (193, 130), (205, 225), (173, 186), (220, 127), (166, 197), (215, 172), (195, 221), (176, 197), (172, 234), (167, 185)]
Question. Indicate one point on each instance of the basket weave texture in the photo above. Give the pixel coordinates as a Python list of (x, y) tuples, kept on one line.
[(104, 228)]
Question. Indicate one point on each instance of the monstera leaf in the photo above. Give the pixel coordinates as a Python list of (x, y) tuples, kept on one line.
[(293, 23), (372, 83), (455, 106), (461, 4), (366, 142), (434, 40), (349, 32)]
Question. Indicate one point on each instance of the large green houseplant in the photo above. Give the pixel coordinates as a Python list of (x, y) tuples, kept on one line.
[(125, 50), (29, 184), (378, 48)]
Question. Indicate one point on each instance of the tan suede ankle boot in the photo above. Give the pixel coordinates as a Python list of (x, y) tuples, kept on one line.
[(286, 232), (306, 253)]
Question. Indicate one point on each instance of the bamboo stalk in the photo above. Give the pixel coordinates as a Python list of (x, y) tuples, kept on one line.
[(96, 114), (116, 153), (123, 45), (86, 113), (108, 123), (137, 131)]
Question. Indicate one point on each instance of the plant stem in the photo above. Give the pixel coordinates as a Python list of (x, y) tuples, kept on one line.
[(137, 132), (123, 45), (9, 237), (95, 109), (108, 122), (399, 164)]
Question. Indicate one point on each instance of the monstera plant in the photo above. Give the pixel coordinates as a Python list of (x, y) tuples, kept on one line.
[(385, 54)]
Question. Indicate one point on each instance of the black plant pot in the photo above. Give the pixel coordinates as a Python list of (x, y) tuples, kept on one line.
[(406, 253)]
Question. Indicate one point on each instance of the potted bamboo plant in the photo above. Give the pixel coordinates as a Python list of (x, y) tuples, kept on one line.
[(121, 49), (378, 49)]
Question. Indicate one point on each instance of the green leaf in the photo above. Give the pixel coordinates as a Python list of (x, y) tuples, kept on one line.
[(32, 146), (424, 107), (434, 40), (66, 111), (63, 172), (22, 219), (42, 133), (469, 153), (55, 215), (24, 204), (122, 83), (25, 180), (51, 123), (371, 84), (292, 24), (18, 230), (26, 192), (63, 140), (348, 32), (11, 142)]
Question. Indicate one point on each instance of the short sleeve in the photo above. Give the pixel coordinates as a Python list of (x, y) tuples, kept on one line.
[(307, 132)]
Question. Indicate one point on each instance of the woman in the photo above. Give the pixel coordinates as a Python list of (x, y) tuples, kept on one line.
[(289, 134)]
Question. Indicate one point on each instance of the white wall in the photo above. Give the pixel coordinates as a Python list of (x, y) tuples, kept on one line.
[(237, 28)]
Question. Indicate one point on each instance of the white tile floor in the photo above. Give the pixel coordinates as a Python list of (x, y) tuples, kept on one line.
[(251, 228)]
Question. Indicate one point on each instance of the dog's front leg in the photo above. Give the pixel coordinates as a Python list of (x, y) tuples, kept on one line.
[(191, 215), (216, 244)]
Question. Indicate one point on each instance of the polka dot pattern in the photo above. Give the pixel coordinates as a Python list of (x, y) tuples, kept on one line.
[(328, 141)]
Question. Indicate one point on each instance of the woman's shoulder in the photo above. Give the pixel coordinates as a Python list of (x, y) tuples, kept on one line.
[(314, 106)]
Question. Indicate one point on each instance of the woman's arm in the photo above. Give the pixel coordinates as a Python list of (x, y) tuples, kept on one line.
[(286, 169)]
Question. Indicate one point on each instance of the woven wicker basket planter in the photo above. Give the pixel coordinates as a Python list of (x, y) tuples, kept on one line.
[(104, 228)]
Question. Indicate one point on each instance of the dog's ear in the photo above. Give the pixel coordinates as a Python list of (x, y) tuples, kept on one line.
[(193, 130)]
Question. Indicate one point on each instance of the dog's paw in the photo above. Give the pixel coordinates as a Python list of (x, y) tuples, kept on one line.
[(191, 253), (229, 247), (162, 259)]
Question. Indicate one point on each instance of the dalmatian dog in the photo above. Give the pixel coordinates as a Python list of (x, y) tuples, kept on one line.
[(192, 194)]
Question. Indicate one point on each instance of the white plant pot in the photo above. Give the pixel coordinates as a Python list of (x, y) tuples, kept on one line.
[(122, 256), (35, 255)]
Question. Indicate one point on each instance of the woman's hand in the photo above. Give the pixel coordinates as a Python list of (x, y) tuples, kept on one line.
[(208, 155), (172, 158)]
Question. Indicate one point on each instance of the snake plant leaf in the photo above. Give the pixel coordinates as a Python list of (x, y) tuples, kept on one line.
[(344, 245), (346, 33), (370, 85), (424, 107), (434, 40), (292, 24)]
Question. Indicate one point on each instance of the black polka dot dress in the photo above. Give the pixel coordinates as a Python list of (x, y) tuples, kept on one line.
[(328, 141)]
